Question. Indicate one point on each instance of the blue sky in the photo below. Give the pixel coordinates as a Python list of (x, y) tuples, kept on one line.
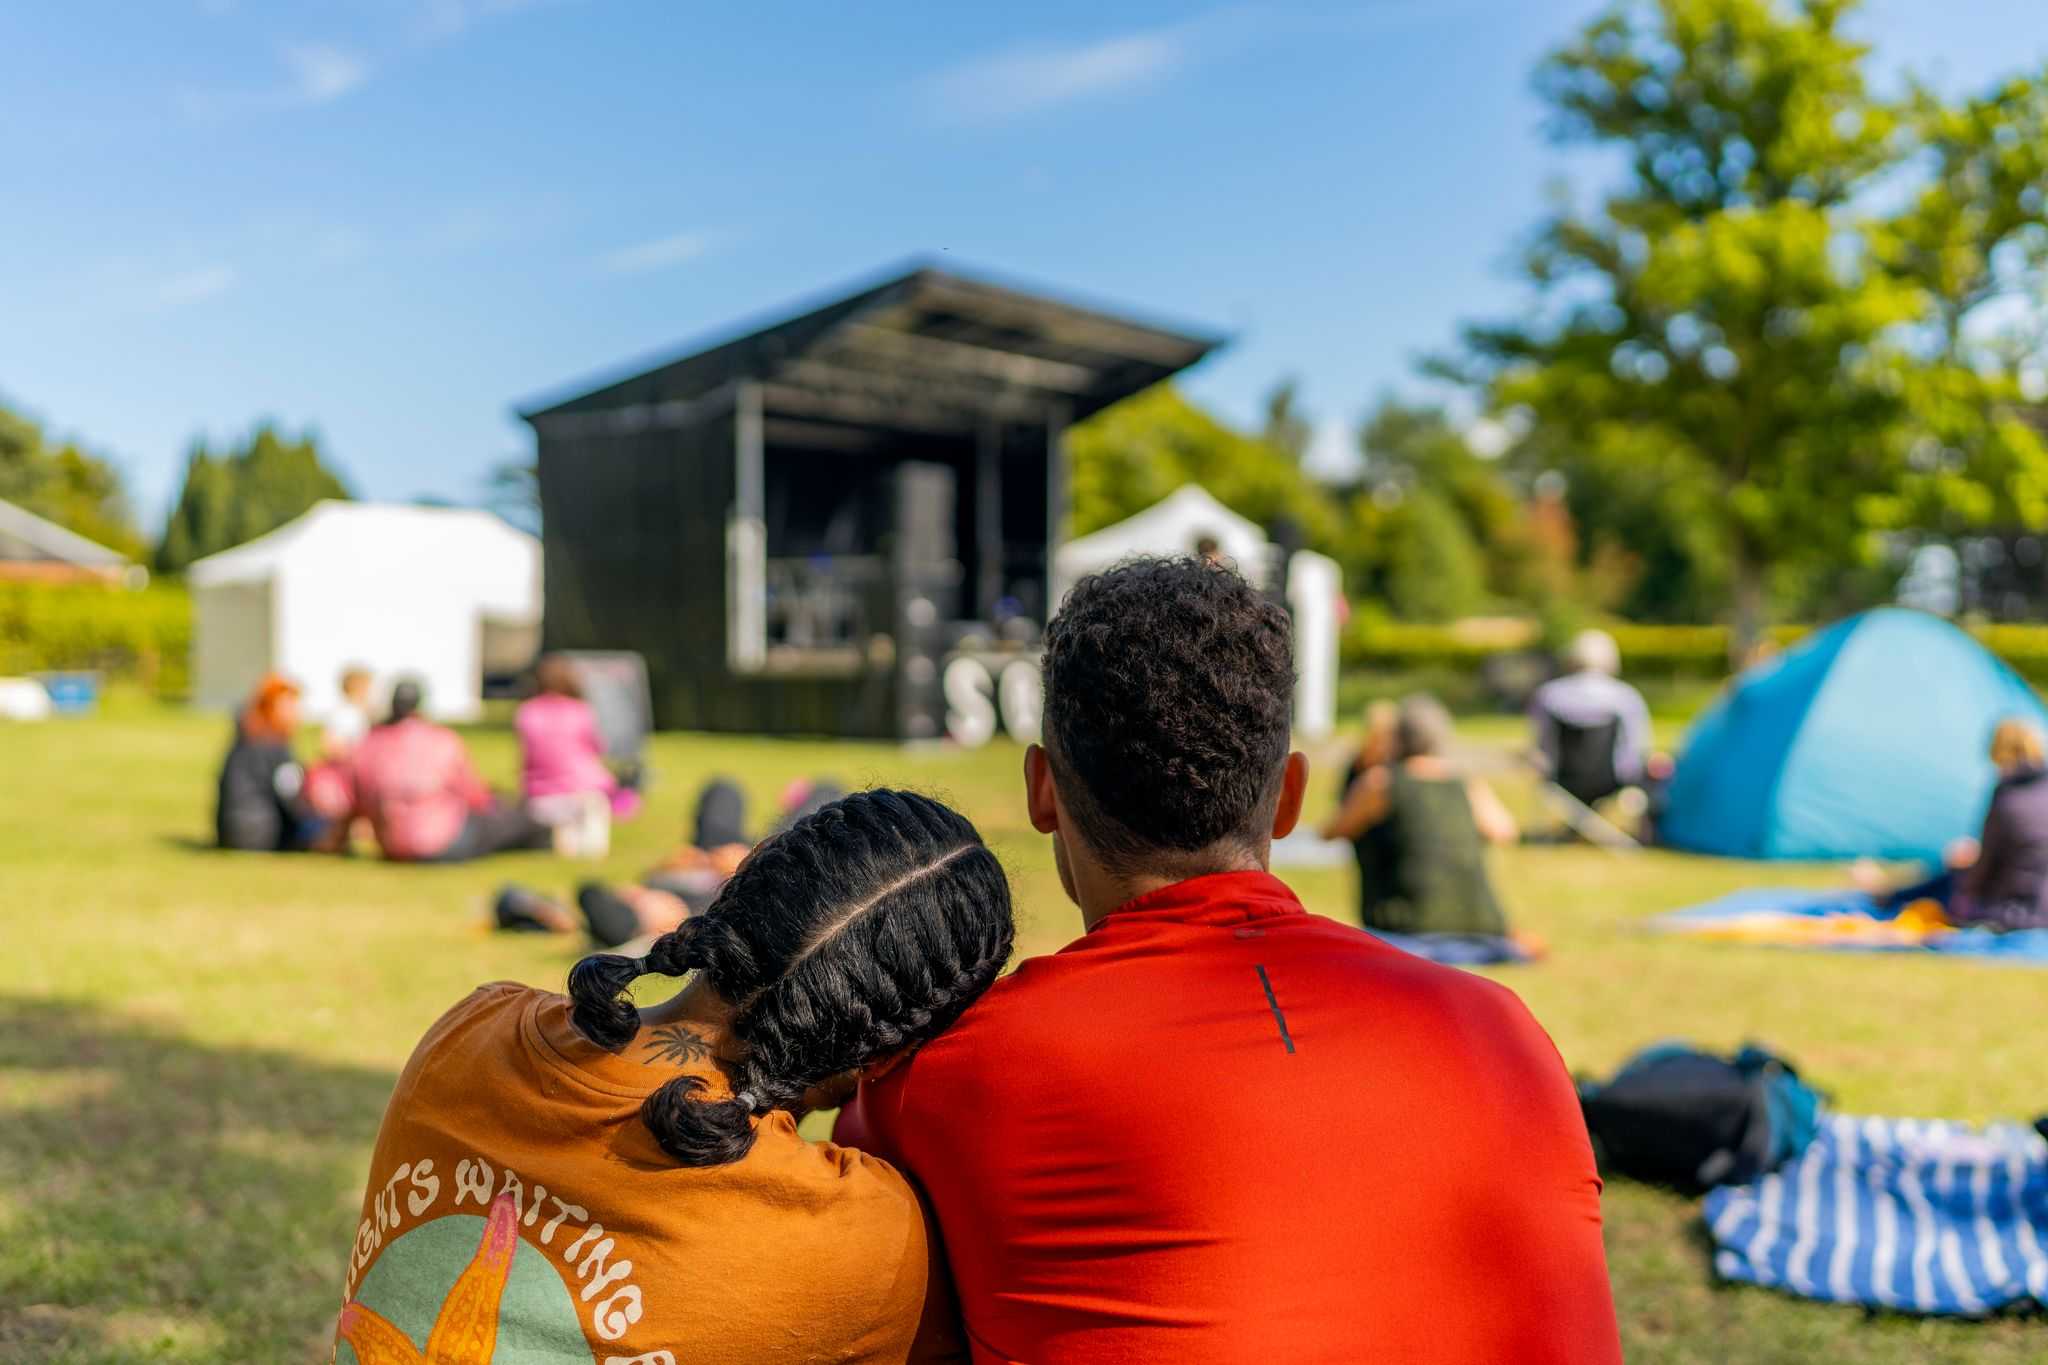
[(394, 219)]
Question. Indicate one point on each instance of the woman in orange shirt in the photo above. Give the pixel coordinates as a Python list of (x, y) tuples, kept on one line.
[(578, 1179)]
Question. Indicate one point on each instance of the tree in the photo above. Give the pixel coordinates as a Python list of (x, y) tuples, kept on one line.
[(512, 490), (1288, 429), (1411, 552), (64, 484), (1127, 457), (243, 492), (1736, 326), (1974, 235)]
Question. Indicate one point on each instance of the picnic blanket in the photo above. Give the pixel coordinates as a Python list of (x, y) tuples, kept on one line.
[(1916, 1215), (1457, 950), (1791, 917)]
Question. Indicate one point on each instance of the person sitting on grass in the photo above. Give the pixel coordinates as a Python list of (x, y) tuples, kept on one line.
[(562, 755), (1378, 746), (1429, 826), (349, 722), (680, 885), (1217, 1128), (603, 1182), (415, 785), (260, 803), (1998, 880)]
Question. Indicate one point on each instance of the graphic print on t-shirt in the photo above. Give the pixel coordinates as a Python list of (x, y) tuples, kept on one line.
[(529, 1277), (462, 1290)]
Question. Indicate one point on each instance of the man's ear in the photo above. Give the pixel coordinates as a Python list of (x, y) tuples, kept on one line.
[(1293, 787), (1039, 797)]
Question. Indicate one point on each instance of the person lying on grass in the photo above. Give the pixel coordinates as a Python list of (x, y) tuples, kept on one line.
[(577, 1178), (1216, 1128), (682, 884)]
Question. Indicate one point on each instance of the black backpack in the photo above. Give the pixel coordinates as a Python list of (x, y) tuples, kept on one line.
[(1689, 1120)]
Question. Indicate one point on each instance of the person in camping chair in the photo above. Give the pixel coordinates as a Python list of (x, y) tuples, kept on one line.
[(1591, 730)]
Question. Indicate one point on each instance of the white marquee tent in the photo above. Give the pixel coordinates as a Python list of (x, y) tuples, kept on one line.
[(1176, 525), (426, 592)]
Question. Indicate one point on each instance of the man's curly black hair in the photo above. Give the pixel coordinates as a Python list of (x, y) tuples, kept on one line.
[(1169, 689)]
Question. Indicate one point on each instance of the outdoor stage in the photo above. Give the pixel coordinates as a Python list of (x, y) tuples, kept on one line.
[(828, 524)]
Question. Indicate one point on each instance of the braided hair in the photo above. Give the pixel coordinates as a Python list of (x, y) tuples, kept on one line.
[(867, 926)]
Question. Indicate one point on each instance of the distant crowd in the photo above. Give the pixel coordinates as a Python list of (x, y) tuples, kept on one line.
[(1419, 824), (409, 784)]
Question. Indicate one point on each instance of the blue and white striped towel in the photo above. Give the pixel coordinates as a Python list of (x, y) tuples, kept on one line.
[(1917, 1215)]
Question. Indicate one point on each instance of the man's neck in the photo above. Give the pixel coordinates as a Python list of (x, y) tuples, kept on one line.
[(1100, 892)]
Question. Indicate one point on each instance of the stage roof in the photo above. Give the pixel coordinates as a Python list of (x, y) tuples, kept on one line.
[(928, 350)]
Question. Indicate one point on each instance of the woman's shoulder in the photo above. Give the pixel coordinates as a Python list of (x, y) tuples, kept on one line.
[(847, 1171), (867, 1201), (492, 1007)]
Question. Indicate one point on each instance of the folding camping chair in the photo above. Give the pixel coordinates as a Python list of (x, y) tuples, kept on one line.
[(1578, 771)]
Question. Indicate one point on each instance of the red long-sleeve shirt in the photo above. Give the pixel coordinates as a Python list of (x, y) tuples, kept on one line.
[(1219, 1129)]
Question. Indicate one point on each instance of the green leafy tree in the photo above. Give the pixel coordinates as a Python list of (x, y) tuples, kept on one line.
[(1127, 457), (64, 484), (1411, 553), (1735, 326), (241, 493), (1287, 429), (1974, 235)]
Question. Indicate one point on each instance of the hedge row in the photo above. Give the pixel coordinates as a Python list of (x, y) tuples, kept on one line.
[(144, 635), (1650, 651)]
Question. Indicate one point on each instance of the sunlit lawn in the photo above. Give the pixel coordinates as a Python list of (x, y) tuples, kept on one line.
[(195, 1047)]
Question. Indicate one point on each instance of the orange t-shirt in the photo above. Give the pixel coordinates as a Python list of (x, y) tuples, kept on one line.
[(519, 1209)]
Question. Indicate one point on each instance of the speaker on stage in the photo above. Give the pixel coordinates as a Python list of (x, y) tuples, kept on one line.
[(925, 577)]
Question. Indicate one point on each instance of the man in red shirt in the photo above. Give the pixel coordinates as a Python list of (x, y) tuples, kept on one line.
[(1216, 1128)]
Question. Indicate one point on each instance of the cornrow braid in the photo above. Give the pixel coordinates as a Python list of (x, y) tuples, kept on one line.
[(865, 928)]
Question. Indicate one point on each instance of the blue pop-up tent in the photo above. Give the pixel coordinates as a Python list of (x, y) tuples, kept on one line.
[(1869, 738)]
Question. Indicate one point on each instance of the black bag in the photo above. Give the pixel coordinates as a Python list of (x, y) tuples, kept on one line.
[(1689, 1120)]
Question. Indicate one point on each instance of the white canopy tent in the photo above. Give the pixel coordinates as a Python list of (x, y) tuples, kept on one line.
[(1176, 525), (424, 592)]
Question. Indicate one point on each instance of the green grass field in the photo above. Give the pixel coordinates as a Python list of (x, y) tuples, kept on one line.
[(195, 1047)]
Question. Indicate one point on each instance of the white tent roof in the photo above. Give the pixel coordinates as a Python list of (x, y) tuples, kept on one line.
[(1171, 526), (494, 560), (24, 534)]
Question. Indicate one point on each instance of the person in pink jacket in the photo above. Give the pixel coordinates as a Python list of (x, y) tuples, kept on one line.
[(415, 784), (563, 753)]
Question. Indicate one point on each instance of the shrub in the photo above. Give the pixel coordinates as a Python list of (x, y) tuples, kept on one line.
[(1376, 645), (144, 635)]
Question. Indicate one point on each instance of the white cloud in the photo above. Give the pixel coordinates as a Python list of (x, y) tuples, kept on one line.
[(439, 19), (1024, 80), (659, 254), (315, 73), (321, 72), (193, 286)]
